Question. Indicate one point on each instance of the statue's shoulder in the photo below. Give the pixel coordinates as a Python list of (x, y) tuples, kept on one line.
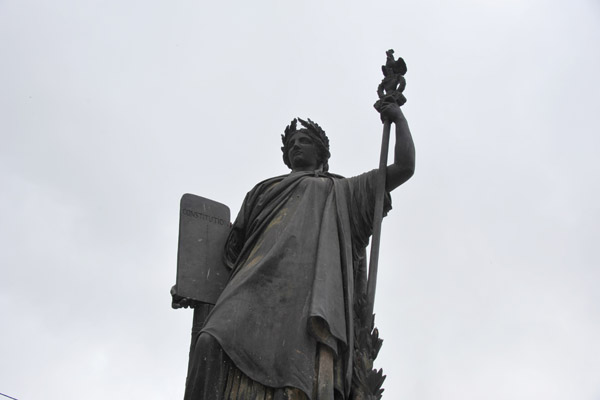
[(270, 181), (289, 179), (334, 176), (264, 184)]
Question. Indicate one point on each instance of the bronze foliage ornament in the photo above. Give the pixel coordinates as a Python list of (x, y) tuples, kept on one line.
[(366, 381)]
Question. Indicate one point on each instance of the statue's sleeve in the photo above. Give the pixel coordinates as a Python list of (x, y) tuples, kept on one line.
[(361, 191)]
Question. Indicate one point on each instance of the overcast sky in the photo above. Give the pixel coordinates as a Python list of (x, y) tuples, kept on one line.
[(111, 110)]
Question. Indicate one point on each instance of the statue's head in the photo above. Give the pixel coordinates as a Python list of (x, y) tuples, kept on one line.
[(310, 135)]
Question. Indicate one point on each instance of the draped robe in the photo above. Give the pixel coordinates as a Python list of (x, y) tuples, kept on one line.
[(293, 250)]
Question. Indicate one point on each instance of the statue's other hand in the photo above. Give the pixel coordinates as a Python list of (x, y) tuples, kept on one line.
[(178, 301)]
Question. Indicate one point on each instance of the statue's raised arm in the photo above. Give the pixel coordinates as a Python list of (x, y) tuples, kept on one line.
[(404, 149), (391, 97)]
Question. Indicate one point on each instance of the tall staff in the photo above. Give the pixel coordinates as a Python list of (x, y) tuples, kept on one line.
[(390, 98)]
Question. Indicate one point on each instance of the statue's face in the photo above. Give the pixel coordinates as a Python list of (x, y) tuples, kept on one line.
[(302, 152)]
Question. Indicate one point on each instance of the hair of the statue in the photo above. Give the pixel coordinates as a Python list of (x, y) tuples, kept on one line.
[(315, 132)]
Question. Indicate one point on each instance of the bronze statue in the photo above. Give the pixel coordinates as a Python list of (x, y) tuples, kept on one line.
[(284, 327)]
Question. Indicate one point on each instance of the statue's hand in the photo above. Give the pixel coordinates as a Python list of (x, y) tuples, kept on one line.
[(391, 112), (178, 301)]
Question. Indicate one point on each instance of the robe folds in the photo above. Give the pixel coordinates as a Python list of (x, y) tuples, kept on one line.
[(293, 250)]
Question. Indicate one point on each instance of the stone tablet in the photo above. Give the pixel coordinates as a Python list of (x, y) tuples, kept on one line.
[(203, 229)]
